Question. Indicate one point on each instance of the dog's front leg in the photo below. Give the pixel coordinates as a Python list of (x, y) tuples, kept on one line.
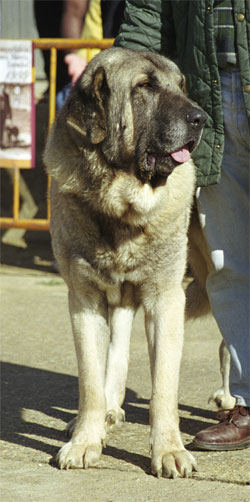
[(164, 328), (90, 329)]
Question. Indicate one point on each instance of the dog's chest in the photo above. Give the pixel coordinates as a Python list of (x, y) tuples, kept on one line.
[(121, 255), (134, 258)]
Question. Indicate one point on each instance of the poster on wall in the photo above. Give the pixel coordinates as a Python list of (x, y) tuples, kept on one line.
[(17, 108)]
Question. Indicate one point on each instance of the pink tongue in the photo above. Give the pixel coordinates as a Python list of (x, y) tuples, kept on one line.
[(181, 155)]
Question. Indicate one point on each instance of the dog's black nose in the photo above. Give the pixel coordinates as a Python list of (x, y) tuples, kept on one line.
[(196, 117)]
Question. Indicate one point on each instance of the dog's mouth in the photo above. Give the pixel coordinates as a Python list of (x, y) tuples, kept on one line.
[(162, 164)]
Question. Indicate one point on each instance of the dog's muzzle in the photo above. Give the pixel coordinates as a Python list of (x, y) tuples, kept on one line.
[(162, 164)]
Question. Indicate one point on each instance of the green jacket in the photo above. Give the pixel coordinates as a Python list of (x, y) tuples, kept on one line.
[(183, 30)]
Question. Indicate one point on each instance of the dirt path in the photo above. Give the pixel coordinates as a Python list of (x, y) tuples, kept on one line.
[(39, 380)]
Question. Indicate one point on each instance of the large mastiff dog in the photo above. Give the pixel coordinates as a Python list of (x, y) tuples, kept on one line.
[(122, 188)]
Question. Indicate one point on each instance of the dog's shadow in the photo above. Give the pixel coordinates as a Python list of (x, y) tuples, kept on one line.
[(55, 395)]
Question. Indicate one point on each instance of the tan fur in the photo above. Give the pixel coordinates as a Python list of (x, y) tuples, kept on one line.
[(120, 214)]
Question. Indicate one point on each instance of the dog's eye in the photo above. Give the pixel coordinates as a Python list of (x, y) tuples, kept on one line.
[(146, 84)]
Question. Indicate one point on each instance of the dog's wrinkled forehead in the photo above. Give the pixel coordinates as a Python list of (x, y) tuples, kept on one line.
[(126, 66)]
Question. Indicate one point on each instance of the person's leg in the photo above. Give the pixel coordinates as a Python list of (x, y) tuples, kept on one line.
[(224, 215)]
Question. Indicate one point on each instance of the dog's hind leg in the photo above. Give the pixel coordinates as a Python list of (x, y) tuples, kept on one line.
[(121, 319), (197, 302), (89, 317), (222, 397)]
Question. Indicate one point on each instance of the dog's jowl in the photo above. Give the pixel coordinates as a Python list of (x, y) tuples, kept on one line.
[(122, 187)]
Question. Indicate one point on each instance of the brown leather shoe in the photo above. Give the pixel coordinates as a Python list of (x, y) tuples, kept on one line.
[(232, 433)]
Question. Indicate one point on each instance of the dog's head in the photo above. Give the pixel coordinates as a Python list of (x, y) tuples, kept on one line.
[(133, 106)]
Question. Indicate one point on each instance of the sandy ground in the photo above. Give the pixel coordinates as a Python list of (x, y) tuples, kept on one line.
[(39, 396)]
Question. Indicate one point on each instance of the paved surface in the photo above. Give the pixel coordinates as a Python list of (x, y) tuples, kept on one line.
[(39, 380)]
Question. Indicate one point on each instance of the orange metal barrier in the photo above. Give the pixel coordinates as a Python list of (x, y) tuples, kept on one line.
[(53, 45)]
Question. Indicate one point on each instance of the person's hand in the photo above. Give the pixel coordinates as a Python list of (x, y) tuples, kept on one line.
[(76, 65)]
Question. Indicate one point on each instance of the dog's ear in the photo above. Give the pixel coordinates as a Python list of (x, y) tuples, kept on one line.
[(86, 108)]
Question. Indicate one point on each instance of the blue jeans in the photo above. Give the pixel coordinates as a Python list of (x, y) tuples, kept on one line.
[(62, 96), (224, 215)]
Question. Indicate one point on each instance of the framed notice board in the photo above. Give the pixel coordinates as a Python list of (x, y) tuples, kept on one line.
[(17, 108)]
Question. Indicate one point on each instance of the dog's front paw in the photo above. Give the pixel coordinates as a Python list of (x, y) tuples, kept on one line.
[(173, 464), (114, 418), (222, 399), (78, 456)]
